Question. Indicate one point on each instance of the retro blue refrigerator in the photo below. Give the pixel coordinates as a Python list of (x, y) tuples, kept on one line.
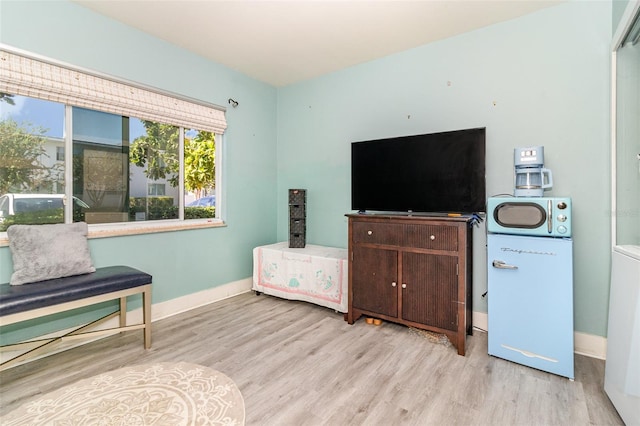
[(530, 301)]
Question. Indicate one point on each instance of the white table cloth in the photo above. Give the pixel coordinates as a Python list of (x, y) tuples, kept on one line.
[(315, 274)]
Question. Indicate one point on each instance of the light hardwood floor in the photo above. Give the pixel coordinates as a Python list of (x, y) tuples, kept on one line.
[(301, 364)]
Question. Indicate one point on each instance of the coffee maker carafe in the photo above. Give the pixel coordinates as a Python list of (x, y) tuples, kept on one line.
[(531, 178)]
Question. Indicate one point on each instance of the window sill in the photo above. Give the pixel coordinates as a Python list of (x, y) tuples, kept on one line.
[(138, 228)]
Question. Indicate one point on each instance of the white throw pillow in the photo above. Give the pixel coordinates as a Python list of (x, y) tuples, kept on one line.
[(44, 252)]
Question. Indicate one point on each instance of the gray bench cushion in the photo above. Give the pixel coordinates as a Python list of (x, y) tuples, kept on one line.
[(14, 299)]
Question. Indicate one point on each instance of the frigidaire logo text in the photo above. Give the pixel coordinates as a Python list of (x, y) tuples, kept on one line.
[(546, 253)]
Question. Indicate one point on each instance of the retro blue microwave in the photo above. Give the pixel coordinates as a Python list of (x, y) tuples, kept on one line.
[(533, 216)]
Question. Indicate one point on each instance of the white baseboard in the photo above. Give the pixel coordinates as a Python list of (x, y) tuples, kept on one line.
[(186, 303), (191, 301), (590, 345), (480, 320), (158, 311), (584, 344)]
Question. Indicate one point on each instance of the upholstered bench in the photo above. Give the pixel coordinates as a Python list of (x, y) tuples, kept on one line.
[(25, 302)]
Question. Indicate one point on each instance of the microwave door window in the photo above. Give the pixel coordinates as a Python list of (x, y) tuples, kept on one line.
[(520, 215)]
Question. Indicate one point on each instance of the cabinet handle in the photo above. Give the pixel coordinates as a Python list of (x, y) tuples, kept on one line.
[(404, 285), (433, 237), (369, 232), (393, 284)]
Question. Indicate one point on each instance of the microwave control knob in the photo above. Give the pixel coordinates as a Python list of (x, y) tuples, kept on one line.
[(562, 205), (562, 218), (562, 229)]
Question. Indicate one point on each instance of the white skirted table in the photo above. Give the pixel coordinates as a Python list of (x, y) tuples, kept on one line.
[(314, 274)]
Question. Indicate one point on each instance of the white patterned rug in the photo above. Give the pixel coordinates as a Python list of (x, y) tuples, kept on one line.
[(150, 394)]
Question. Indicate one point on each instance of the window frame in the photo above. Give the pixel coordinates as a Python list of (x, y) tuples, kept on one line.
[(134, 227)]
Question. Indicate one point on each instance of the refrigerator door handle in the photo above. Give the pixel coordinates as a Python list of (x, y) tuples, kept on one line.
[(501, 265)]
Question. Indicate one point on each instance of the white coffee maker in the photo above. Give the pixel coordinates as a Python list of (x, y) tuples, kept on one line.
[(531, 178)]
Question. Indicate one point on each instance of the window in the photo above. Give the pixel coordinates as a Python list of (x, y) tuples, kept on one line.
[(132, 160), (123, 169), (156, 189), (31, 130)]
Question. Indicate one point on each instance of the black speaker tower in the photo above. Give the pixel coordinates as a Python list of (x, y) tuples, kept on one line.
[(297, 218)]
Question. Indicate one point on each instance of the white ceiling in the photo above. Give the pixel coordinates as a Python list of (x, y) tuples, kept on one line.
[(284, 42)]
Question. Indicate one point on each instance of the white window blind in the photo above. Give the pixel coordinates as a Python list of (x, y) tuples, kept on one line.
[(27, 76)]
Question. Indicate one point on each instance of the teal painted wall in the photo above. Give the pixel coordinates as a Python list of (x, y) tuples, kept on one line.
[(187, 261), (618, 8), (542, 79)]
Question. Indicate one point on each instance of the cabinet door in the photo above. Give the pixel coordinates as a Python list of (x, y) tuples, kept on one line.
[(430, 289), (374, 280)]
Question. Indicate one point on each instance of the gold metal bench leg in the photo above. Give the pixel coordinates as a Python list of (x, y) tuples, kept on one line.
[(123, 311), (146, 313)]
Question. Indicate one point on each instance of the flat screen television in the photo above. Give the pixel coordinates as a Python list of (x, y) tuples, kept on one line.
[(432, 173)]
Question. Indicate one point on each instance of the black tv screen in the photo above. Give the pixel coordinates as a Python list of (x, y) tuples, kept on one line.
[(438, 172)]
